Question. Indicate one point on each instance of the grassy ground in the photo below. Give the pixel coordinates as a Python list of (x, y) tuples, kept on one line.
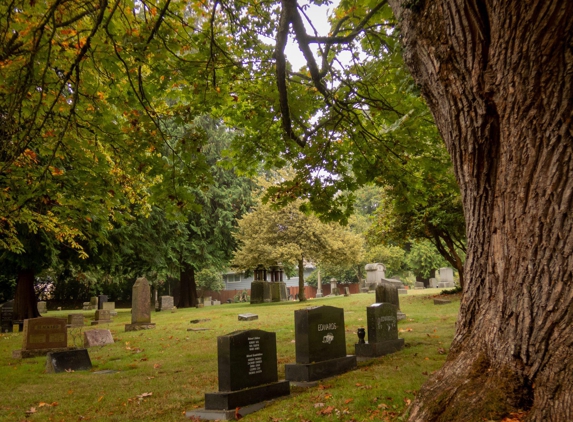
[(176, 367)]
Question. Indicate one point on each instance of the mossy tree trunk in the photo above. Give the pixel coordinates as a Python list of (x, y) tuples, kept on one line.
[(498, 77)]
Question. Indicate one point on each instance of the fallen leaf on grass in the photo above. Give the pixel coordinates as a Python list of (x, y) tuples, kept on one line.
[(324, 387), (156, 366), (144, 395), (441, 351), (348, 401), (407, 401), (317, 405), (42, 404), (326, 411), (31, 411), (425, 373)]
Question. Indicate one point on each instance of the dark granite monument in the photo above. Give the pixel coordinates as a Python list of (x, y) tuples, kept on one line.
[(6, 310), (388, 293), (247, 362), (320, 345), (101, 299), (382, 332), (68, 361)]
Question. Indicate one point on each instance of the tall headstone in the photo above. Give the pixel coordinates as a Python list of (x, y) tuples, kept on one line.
[(42, 307), (387, 293), (94, 302), (334, 287), (261, 292), (101, 299), (318, 283), (140, 306), (42, 335), (382, 332), (247, 366), (320, 345)]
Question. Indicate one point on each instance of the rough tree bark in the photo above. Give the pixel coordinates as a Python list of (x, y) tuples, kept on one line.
[(498, 77), (188, 287), (25, 302)]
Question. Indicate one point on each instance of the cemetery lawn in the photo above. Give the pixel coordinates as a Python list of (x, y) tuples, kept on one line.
[(158, 375)]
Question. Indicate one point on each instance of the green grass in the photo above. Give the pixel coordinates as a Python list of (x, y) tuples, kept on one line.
[(178, 367)]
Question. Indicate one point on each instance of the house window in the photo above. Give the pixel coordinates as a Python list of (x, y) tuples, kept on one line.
[(232, 278)]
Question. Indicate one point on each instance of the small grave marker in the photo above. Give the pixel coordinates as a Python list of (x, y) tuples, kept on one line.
[(248, 317), (441, 301), (97, 338), (68, 361), (42, 307), (102, 316), (382, 332), (75, 320)]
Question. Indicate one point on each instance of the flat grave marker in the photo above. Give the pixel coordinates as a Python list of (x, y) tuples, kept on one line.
[(68, 361)]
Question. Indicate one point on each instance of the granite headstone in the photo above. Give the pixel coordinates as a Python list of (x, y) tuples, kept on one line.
[(382, 332), (68, 361), (140, 306), (97, 338)]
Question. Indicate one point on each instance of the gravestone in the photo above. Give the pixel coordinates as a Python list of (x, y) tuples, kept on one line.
[(165, 303), (207, 301), (68, 361), (42, 307), (97, 338), (433, 283), (101, 300), (110, 306), (6, 310), (102, 316), (334, 287), (387, 293), (320, 345), (278, 291), (93, 302), (216, 302), (248, 317), (75, 320), (261, 292), (42, 335), (140, 306), (442, 301), (347, 291), (419, 285), (86, 306), (247, 369), (446, 278), (394, 282), (374, 274), (382, 332), (402, 291)]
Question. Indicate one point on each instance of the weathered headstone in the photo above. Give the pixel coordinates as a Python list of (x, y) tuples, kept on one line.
[(394, 282), (382, 332), (165, 303), (102, 316), (42, 335), (97, 338), (261, 292), (101, 300), (347, 291), (419, 285), (86, 306), (446, 278), (441, 301), (247, 368), (68, 361), (334, 287), (140, 306), (248, 317), (75, 320), (216, 302), (6, 310), (42, 307), (387, 293), (207, 301), (402, 291), (374, 274), (110, 306), (320, 345), (433, 282), (94, 302)]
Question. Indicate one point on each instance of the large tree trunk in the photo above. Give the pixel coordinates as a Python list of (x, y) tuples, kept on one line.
[(498, 77), (188, 287), (25, 302), (301, 295)]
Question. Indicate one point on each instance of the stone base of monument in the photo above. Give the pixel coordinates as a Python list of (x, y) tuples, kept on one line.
[(141, 326), (365, 351), (306, 372), (226, 400), (34, 353), (225, 415), (68, 361)]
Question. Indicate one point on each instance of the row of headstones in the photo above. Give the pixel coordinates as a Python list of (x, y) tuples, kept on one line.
[(247, 360)]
